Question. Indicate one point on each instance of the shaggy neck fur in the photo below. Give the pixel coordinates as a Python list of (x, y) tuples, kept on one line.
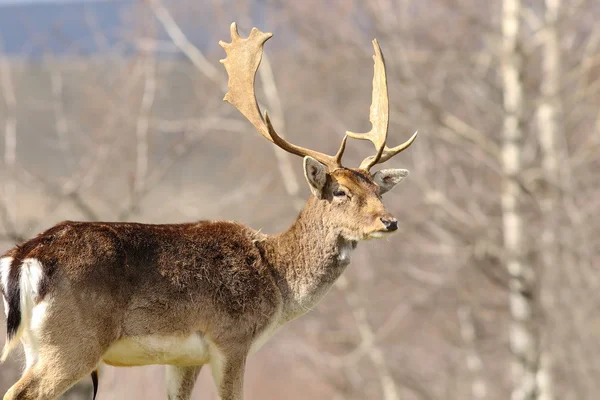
[(307, 259)]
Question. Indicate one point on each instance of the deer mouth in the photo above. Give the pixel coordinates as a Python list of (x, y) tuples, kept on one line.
[(383, 233), (389, 226)]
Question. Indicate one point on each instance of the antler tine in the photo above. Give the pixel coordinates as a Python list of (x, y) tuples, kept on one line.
[(340, 153), (387, 153), (379, 111), (242, 62)]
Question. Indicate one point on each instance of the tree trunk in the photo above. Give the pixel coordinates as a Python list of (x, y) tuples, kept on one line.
[(550, 131), (524, 341)]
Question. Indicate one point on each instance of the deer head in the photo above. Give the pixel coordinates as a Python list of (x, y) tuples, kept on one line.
[(348, 199)]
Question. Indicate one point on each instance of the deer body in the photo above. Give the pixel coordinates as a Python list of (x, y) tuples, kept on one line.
[(186, 295), (193, 285), (291, 281), (170, 294)]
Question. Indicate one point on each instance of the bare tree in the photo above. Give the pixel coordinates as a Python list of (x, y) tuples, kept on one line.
[(505, 110), (550, 135), (524, 333)]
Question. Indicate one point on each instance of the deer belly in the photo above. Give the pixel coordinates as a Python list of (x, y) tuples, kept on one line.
[(147, 350)]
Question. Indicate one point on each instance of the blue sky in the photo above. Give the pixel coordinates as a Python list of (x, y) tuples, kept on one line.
[(33, 27)]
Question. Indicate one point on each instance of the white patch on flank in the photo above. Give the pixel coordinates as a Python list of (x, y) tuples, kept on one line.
[(30, 338), (32, 315), (31, 276), (31, 348), (5, 264), (32, 273), (38, 315), (153, 349)]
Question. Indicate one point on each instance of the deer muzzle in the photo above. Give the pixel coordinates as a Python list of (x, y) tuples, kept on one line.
[(390, 223)]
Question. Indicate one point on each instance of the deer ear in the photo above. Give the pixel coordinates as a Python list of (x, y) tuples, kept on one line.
[(388, 178), (316, 175)]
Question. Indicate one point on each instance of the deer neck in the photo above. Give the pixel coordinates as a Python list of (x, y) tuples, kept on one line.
[(307, 259)]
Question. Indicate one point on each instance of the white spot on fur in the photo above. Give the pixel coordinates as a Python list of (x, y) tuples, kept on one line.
[(31, 334), (29, 283), (32, 273), (153, 349), (345, 253), (38, 316), (31, 277), (5, 264), (32, 315), (31, 348)]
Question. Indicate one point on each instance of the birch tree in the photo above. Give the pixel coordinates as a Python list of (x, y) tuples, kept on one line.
[(550, 133), (523, 333), (495, 268)]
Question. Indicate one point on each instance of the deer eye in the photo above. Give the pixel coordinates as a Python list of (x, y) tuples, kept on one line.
[(339, 193)]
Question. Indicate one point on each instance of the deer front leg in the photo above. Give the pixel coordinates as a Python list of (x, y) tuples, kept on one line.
[(228, 373), (181, 381)]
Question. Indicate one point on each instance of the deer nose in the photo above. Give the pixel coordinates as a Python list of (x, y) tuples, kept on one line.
[(391, 224)]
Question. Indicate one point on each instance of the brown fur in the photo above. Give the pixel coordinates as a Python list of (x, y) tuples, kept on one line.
[(223, 280)]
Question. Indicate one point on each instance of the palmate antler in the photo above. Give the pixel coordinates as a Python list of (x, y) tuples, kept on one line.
[(242, 62), (379, 116), (243, 59)]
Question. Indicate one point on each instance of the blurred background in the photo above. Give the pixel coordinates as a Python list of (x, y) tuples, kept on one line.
[(112, 110)]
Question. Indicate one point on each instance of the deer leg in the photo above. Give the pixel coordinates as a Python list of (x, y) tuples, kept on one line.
[(228, 373), (49, 378), (61, 348), (181, 381)]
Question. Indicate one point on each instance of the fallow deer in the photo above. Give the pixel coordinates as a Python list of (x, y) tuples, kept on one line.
[(186, 295)]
